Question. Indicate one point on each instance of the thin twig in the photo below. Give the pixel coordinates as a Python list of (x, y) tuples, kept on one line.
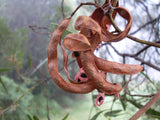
[(137, 58), (96, 2), (148, 23), (35, 27), (127, 92), (133, 38), (37, 69), (62, 8)]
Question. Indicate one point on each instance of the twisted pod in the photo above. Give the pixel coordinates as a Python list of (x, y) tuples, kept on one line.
[(93, 30)]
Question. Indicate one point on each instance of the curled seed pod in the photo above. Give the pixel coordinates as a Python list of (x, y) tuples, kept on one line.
[(89, 65), (110, 37), (52, 63)]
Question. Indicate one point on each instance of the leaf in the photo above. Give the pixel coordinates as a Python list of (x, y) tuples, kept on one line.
[(4, 70), (113, 113), (149, 79), (66, 116), (4, 86), (29, 117), (35, 117), (96, 115), (123, 104), (29, 61)]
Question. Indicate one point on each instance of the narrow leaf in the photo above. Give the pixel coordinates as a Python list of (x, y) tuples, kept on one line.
[(150, 80), (35, 117), (113, 113), (96, 115), (29, 117), (29, 61), (123, 104), (4, 86), (147, 77), (66, 116), (4, 70)]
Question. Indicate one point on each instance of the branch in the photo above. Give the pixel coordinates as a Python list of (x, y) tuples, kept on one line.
[(131, 37), (150, 22), (126, 90), (62, 9), (35, 27), (137, 58), (146, 107)]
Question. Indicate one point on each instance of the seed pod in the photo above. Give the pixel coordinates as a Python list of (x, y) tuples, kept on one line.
[(90, 68), (52, 63), (110, 37), (117, 68)]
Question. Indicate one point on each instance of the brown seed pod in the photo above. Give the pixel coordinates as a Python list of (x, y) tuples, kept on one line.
[(92, 32), (52, 63), (117, 68)]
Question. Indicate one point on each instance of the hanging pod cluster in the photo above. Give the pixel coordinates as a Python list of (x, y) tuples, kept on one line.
[(93, 30)]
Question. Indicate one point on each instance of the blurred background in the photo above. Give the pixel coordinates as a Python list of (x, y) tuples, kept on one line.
[(28, 93)]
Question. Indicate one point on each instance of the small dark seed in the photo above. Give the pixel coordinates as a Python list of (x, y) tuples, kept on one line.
[(101, 98), (79, 80), (76, 54), (83, 75)]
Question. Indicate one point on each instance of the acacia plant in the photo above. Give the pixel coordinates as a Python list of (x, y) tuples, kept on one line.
[(94, 30)]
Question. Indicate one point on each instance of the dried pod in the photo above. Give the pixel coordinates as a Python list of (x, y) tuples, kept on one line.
[(76, 42), (92, 32), (117, 68), (52, 63), (90, 68), (110, 37)]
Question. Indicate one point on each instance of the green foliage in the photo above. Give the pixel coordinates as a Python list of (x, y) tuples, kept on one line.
[(66, 116), (12, 47), (34, 117), (4, 70), (3, 85), (6, 99), (96, 115), (113, 113), (123, 104)]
